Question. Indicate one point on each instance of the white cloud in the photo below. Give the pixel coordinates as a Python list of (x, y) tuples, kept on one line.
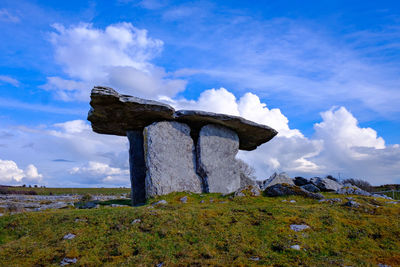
[(117, 56), (102, 172), (5, 15), (10, 80), (11, 174)]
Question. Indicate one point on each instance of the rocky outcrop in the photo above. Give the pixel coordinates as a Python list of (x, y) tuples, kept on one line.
[(326, 184), (248, 191), (300, 181), (170, 159), (217, 147), (289, 190)]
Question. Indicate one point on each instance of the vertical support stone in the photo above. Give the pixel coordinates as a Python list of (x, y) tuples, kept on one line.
[(170, 159), (217, 147), (137, 167)]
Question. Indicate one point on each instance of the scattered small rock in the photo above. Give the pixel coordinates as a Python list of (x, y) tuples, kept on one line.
[(184, 199), (292, 201), (299, 227), (67, 261), (69, 236), (201, 201), (393, 202), (254, 258), (284, 200), (211, 200), (295, 247), (136, 221), (160, 264), (161, 202), (352, 204), (250, 190), (80, 220), (383, 265), (349, 198), (381, 196), (222, 202)]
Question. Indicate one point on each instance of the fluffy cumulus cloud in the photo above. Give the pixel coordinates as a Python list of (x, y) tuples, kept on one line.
[(102, 172), (339, 144), (11, 174), (119, 55)]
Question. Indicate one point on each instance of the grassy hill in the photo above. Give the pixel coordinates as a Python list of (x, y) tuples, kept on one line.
[(221, 231)]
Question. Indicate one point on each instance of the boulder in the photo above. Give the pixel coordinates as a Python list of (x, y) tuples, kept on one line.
[(275, 178), (299, 227), (300, 181), (311, 188), (278, 190), (352, 204), (325, 184), (349, 189), (217, 147), (170, 159)]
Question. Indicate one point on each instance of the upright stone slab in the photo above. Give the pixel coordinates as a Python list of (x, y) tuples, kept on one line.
[(217, 147), (170, 159), (137, 166)]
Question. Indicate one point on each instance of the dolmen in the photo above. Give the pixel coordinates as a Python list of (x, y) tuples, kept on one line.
[(175, 151)]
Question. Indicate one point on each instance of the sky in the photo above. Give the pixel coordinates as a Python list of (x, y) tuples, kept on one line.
[(324, 74)]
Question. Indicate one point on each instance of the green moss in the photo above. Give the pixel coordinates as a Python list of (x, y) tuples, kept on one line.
[(221, 231)]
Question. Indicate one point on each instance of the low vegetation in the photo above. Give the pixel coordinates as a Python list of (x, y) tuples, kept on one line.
[(209, 229), (62, 191)]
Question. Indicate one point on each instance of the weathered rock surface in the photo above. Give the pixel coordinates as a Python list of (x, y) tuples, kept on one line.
[(113, 113), (217, 147), (311, 188), (299, 227), (300, 181), (349, 189), (250, 134), (325, 184), (137, 167), (170, 159), (247, 181), (352, 204), (289, 190), (275, 178)]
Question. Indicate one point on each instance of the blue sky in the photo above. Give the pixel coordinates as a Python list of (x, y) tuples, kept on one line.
[(327, 72)]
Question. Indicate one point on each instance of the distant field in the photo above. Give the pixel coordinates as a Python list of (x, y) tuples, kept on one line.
[(61, 191), (208, 230)]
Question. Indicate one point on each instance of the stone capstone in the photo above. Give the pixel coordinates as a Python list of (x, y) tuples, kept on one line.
[(217, 147), (113, 113), (170, 159)]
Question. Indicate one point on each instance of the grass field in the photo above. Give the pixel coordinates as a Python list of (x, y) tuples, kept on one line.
[(219, 232), (62, 191)]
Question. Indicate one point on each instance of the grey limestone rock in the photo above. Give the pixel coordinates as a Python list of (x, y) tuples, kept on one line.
[(311, 188), (300, 181), (69, 236), (299, 227), (217, 147), (281, 178), (352, 204), (326, 184), (170, 159), (250, 190)]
